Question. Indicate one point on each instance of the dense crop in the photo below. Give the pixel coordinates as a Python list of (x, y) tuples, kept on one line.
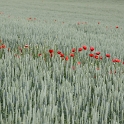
[(61, 72)]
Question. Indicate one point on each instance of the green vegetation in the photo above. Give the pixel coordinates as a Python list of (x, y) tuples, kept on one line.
[(40, 86)]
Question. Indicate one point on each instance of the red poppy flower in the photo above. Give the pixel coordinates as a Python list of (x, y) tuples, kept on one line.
[(73, 50), (72, 55), (80, 49), (91, 48), (97, 53), (78, 63), (122, 62), (26, 46), (91, 55), (3, 46), (108, 55), (61, 55), (66, 58), (116, 60), (100, 57), (39, 54), (116, 26), (51, 51), (84, 47), (98, 22), (96, 56), (59, 52)]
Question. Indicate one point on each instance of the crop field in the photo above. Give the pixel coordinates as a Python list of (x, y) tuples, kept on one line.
[(61, 62)]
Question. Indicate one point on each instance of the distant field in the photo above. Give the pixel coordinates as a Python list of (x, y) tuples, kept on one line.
[(61, 62)]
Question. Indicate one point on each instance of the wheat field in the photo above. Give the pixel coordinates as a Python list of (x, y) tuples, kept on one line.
[(61, 62)]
